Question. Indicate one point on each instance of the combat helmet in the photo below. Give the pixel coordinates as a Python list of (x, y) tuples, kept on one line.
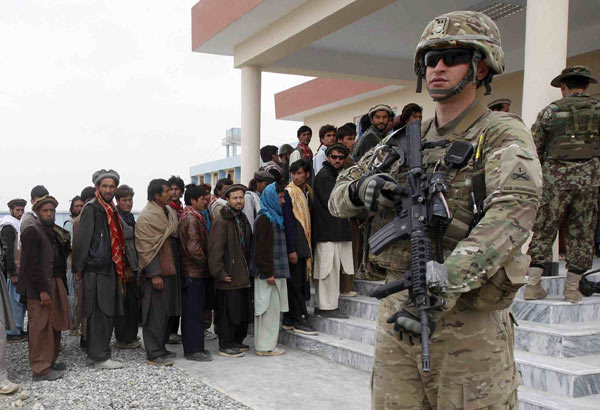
[(469, 29)]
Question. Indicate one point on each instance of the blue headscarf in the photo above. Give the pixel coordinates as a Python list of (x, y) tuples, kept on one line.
[(270, 206)]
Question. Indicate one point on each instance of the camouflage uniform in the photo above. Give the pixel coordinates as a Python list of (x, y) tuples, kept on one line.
[(472, 346), (569, 185)]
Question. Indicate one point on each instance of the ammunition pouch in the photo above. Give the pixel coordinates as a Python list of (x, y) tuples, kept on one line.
[(574, 147), (458, 228), (500, 290), (577, 138)]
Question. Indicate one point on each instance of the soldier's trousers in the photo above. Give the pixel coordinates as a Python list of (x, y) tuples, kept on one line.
[(580, 207), (471, 359)]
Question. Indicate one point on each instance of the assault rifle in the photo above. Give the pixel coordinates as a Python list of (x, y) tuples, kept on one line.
[(421, 209)]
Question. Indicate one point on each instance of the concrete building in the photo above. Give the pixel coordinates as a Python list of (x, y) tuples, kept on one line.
[(361, 52), (228, 167), (373, 42)]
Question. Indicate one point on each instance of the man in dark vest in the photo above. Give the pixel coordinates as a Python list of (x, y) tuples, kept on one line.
[(380, 116), (100, 259)]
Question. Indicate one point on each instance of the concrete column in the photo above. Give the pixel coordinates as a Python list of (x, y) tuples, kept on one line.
[(546, 32), (545, 54), (250, 122)]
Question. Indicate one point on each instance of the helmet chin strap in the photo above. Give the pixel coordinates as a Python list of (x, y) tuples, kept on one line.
[(444, 93)]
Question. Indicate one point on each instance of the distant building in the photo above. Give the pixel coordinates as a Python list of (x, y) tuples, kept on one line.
[(229, 167)]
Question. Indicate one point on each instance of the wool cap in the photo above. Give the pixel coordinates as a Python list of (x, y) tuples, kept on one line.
[(101, 174), (264, 176), (233, 188), (16, 202), (381, 107), (285, 149), (337, 147), (45, 200), (499, 101)]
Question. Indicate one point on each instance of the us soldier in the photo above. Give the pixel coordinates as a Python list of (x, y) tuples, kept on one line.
[(567, 137), (472, 342)]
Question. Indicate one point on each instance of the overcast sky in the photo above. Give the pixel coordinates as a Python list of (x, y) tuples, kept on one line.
[(90, 84)]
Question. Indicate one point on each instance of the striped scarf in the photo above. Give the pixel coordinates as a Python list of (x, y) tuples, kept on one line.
[(117, 239)]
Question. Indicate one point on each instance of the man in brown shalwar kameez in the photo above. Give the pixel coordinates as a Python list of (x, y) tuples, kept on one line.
[(158, 258), (42, 279)]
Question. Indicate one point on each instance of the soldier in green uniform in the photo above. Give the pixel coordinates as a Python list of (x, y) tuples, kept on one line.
[(472, 344), (567, 137)]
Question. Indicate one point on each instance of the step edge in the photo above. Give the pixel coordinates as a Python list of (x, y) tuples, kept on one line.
[(326, 340), (537, 360)]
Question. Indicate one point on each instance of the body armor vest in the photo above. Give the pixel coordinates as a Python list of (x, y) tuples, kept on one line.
[(464, 196), (574, 129)]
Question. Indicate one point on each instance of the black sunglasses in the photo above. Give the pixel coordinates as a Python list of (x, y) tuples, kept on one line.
[(338, 156), (451, 56)]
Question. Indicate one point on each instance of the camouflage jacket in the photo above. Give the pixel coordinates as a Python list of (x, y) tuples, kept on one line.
[(513, 184), (563, 174)]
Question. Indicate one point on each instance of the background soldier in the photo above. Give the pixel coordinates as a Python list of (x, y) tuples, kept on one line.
[(471, 347), (567, 137)]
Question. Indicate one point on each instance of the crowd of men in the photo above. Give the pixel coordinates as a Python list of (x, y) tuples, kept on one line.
[(237, 256), (245, 255)]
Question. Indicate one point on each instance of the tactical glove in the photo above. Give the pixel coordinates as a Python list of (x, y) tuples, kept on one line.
[(406, 322), (378, 191)]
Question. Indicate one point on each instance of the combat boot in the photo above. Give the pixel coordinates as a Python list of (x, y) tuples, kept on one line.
[(572, 293), (533, 289)]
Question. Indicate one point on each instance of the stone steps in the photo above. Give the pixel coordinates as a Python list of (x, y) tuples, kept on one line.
[(532, 399), (554, 310), (558, 340), (348, 352), (360, 306), (353, 328), (364, 287), (566, 377), (557, 344)]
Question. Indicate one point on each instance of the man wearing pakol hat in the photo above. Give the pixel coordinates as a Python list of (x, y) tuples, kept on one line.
[(252, 196), (11, 252), (29, 217), (229, 243), (380, 116), (42, 279), (500, 104), (100, 259), (567, 137), (333, 237), (158, 258), (285, 151)]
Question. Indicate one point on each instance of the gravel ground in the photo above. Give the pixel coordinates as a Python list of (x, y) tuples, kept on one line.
[(137, 385)]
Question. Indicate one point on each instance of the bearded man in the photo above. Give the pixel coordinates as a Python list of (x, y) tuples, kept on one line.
[(158, 259), (100, 259), (42, 280)]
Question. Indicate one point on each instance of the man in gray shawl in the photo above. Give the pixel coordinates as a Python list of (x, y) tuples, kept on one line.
[(158, 259)]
